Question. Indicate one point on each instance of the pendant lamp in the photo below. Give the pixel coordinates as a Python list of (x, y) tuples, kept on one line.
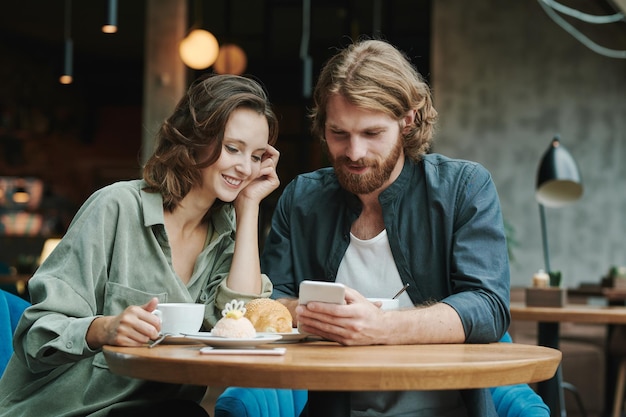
[(68, 51), (199, 49), (110, 25)]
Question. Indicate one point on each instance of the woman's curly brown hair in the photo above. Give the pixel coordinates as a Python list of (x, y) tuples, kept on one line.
[(196, 129)]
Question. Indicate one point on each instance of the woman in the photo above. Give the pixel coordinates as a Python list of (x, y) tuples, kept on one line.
[(167, 238)]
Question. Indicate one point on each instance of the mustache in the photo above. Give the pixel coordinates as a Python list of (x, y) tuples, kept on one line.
[(363, 162)]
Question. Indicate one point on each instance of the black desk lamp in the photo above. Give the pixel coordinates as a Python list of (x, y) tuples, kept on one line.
[(558, 184)]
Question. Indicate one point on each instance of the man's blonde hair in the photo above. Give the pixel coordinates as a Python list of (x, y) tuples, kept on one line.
[(374, 75)]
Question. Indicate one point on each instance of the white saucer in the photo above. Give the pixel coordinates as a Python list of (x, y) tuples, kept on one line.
[(217, 341), (291, 337)]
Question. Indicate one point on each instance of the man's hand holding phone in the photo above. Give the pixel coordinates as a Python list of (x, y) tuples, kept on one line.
[(320, 291)]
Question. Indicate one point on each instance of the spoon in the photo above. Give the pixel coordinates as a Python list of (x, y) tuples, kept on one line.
[(161, 338), (401, 291)]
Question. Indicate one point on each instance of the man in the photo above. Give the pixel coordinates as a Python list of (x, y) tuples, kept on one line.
[(388, 214)]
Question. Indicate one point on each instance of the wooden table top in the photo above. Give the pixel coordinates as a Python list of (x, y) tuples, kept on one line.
[(579, 313), (327, 366)]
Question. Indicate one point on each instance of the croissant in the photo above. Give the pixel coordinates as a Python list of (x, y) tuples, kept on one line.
[(269, 315)]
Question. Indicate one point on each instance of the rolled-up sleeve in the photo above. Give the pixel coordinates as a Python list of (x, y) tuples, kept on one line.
[(479, 268)]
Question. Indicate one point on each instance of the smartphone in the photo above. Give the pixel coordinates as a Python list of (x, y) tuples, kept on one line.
[(327, 292)]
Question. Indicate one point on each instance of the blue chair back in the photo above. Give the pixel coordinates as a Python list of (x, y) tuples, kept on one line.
[(11, 309), (260, 402)]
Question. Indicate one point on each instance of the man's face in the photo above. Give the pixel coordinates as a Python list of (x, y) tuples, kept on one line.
[(365, 147)]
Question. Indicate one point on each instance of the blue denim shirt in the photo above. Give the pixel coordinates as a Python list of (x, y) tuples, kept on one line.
[(445, 229)]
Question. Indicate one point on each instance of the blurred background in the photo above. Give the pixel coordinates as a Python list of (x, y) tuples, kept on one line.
[(506, 77)]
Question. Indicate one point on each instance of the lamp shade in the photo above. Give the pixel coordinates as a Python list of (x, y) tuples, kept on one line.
[(21, 195), (110, 26), (558, 179), (199, 49), (68, 58), (231, 60)]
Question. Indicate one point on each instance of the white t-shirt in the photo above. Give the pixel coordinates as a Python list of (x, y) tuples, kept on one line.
[(369, 268)]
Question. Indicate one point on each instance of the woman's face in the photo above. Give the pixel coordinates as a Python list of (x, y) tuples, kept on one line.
[(245, 141)]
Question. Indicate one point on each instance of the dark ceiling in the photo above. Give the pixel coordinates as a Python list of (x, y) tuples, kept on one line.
[(43, 21), (108, 68)]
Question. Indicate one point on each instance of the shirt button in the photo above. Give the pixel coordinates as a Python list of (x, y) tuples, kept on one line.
[(69, 345)]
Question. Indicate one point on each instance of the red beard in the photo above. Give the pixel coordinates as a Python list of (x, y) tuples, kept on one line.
[(378, 173)]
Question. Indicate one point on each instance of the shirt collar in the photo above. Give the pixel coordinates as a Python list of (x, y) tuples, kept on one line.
[(401, 183), (152, 204), (223, 220)]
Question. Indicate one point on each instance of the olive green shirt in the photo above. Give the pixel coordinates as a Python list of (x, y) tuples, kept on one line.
[(114, 254)]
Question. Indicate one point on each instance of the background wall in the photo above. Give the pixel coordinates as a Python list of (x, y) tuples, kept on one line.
[(506, 78)]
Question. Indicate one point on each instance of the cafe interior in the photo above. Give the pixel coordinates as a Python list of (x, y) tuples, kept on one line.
[(508, 78)]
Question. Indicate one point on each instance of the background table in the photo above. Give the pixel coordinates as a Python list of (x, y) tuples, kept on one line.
[(329, 371), (613, 296), (548, 334), (19, 281)]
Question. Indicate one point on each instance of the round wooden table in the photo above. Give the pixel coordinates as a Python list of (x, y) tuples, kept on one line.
[(329, 371)]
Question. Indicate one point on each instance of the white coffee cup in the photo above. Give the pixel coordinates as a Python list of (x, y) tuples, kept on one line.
[(177, 318), (387, 303)]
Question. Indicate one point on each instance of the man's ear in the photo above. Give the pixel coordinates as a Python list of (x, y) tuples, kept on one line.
[(408, 120)]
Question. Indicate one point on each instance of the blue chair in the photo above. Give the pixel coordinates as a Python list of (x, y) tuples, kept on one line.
[(260, 402), (11, 309), (518, 400), (510, 401)]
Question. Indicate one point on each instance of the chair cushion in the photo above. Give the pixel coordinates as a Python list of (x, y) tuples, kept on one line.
[(518, 400), (260, 402), (11, 309)]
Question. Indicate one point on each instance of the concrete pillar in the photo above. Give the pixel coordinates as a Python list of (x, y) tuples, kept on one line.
[(164, 73)]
